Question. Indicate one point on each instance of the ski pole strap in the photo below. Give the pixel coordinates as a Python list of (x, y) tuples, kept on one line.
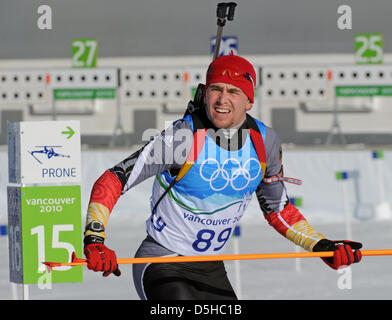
[(277, 178)]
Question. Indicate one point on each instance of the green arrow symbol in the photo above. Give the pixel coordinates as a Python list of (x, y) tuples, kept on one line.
[(70, 132)]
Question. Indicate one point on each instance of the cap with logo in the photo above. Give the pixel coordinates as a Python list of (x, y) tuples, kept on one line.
[(233, 70)]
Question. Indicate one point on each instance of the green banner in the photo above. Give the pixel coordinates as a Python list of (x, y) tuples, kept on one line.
[(51, 231), (363, 91), (75, 94)]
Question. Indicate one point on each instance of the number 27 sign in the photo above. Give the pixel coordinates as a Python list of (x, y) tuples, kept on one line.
[(84, 53)]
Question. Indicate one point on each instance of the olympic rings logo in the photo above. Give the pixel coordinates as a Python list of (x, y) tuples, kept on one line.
[(239, 178)]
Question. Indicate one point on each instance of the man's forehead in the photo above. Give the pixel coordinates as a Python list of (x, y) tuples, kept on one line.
[(225, 85)]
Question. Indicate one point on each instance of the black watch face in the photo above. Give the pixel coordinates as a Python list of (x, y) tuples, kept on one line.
[(96, 226)]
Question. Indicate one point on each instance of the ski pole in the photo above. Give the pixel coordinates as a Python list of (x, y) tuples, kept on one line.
[(79, 262)]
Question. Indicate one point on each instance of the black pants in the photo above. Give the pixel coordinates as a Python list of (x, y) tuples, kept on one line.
[(187, 281)]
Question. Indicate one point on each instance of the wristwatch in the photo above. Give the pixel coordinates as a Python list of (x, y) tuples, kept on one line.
[(95, 226)]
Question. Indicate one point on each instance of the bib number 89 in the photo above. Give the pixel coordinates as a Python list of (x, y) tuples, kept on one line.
[(205, 238)]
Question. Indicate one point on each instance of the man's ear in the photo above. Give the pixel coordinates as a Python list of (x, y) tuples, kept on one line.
[(205, 96), (249, 105)]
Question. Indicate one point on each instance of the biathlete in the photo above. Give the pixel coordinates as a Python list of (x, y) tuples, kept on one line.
[(207, 166)]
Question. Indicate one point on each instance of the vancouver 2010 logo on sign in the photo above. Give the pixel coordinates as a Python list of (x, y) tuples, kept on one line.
[(239, 176)]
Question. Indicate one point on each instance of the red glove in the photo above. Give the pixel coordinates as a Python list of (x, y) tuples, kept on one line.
[(101, 258), (343, 252)]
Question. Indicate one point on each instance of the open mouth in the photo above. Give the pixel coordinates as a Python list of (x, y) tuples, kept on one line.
[(222, 111)]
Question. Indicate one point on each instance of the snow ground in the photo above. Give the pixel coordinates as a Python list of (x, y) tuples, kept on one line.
[(260, 279)]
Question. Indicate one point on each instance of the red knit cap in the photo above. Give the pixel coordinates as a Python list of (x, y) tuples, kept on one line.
[(234, 70)]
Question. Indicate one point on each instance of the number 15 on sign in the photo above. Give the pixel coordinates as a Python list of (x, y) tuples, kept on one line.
[(45, 224)]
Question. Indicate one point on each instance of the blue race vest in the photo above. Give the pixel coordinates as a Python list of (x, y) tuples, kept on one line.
[(200, 211)]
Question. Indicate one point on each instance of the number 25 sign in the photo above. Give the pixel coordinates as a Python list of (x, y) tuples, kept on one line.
[(369, 48)]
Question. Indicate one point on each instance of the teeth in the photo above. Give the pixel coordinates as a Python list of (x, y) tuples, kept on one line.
[(222, 110)]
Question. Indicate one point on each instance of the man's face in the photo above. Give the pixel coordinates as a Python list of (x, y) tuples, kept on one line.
[(226, 104)]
